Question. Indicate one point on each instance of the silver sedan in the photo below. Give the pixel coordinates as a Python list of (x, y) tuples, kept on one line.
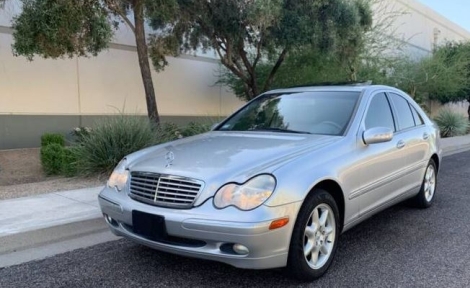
[(277, 182)]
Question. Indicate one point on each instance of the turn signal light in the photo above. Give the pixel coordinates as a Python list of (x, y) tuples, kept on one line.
[(279, 223)]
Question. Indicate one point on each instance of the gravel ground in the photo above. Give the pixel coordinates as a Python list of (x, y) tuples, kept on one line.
[(20, 166), (48, 186), (21, 175), (400, 247)]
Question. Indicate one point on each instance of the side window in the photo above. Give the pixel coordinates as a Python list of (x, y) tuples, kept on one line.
[(379, 113), (418, 119), (404, 115)]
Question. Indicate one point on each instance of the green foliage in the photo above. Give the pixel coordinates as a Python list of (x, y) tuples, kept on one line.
[(451, 123), (52, 138), (69, 162), (452, 68), (57, 28), (441, 76), (113, 138), (303, 66), (52, 156), (194, 128), (253, 38), (168, 131), (117, 136)]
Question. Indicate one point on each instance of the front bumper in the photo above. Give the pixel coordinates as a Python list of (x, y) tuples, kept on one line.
[(215, 229)]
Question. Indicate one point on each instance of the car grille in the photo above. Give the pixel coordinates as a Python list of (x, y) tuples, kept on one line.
[(164, 190)]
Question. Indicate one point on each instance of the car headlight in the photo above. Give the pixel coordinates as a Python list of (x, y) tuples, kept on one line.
[(246, 196), (118, 178)]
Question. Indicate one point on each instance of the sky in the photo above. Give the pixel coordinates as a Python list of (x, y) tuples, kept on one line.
[(457, 11)]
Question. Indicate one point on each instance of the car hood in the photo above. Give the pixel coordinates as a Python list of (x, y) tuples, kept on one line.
[(220, 157)]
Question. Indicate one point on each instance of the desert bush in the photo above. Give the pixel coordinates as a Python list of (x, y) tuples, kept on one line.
[(115, 137), (50, 138), (112, 139), (194, 128), (52, 156), (79, 133), (168, 131), (451, 123)]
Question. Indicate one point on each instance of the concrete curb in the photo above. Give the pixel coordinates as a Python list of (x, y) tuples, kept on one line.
[(456, 150), (38, 244), (455, 145)]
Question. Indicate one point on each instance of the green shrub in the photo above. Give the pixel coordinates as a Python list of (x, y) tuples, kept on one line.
[(168, 131), (451, 123), (50, 138), (69, 162), (194, 128), (52, 156), (112, 139), (117, 136)]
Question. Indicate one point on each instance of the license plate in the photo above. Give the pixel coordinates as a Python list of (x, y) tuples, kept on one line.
[(148, 225)]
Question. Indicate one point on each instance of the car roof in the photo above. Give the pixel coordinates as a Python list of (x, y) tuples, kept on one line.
[(346, 88)]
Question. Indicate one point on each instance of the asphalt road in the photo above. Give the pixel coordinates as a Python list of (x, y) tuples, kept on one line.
[(400, 247)]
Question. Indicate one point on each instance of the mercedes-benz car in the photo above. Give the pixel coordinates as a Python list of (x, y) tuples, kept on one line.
[(277, 182)]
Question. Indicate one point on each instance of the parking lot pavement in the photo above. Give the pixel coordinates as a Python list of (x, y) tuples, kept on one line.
[(400, 247)]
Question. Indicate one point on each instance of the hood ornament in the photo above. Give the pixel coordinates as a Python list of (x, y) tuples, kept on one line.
[(169, 157)]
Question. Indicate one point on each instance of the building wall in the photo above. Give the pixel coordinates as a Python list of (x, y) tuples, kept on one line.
[(421, 26), (57, 95)]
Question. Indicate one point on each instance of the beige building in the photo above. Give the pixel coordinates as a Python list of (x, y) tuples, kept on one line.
[(57, 95)]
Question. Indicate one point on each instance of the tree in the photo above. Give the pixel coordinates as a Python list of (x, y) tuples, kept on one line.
[(443, 75), (254, 38), (306, 66), (68, 28), (455, 56)]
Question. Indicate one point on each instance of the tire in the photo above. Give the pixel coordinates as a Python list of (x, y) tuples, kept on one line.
[(305, 237), (426, 194)]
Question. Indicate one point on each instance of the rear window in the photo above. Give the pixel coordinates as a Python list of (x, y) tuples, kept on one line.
[(404, 115)]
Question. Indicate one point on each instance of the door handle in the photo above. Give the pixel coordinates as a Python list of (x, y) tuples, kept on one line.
[(400, 144), (425, 136)]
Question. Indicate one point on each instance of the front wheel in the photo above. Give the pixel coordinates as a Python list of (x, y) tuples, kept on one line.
[(315, 237)]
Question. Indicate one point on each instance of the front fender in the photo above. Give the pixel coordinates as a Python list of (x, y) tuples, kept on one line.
[(293, 186)]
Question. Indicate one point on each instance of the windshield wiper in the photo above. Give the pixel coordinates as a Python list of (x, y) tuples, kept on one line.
[(277, 129)]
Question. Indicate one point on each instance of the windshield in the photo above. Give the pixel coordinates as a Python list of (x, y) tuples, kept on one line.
[(306, 112)]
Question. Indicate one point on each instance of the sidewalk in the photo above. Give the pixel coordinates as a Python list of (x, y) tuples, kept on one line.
[(54, 209), (48, 210)]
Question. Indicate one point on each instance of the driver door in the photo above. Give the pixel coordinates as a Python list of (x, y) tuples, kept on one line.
[(380, 162)]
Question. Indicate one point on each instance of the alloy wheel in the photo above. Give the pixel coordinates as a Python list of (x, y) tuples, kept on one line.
[(429, 183), (319, 236)]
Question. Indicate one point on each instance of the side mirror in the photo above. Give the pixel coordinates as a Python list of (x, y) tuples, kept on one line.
[(377, 135), (214, 125)]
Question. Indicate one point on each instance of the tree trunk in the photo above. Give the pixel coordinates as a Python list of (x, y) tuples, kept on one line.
[(279, 61), (144, 64), (253, 90)]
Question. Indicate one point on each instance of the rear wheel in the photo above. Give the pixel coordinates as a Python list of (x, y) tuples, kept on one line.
[(315, 237), (425, 197)]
